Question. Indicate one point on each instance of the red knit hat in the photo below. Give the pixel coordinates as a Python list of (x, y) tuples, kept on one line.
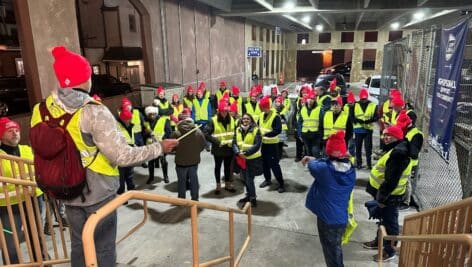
[(71, 69), (363, 94), (303, 100), (189, 89), (222, 84), (338, 100), (159, 90), (336, 145), (125, 102), (125, 115), (403, 120), (235, 90), (175, 97), (311, 94), (398, 101), (6, 124), (332, 85), (202, 85), (253, 93), (394, 131), (259, 89), (234, 107), (394, 92), (350, 97), (274, 89), (279, 99), (264, 103), (200, 90), (223, 105)]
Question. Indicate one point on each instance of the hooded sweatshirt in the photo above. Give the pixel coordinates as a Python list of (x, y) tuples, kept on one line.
[(330, 192), (187, 153)]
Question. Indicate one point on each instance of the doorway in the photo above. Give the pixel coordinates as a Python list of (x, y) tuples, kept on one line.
[(309, 65)]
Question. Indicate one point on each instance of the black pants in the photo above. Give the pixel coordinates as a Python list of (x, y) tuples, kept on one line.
[(126, 176), (312, 144), (270, 161), (299, 148), (153, 163), (365, 138), (227, 168)]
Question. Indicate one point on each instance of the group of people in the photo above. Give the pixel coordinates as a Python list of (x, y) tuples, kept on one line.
[(246, 136)]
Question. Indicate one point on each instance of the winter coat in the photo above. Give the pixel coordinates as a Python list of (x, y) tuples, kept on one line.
[(187, 153)]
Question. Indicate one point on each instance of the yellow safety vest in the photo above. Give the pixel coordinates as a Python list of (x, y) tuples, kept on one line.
[(311, 122), (27, 153), (255, 113), (224, 135), (201, 111), (386, 106), (220, 94), (240, 104), (377, 175), (136, 121), (90, 159), (287, 104), (330, 126), (188, 102), (164, 106), (320, 100), (368, 114), (129, 138), (247, 142), (159, 128), (177, 110), (266, 126), (409, 136)]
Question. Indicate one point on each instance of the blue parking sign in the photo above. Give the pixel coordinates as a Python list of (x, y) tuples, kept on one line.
[(254, 51)]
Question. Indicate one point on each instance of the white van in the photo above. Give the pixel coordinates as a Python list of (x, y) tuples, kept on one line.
[(373, 85)]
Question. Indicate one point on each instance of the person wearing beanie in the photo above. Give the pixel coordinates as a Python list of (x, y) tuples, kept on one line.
[(201, 108), (308, 125), (165, 108), (274, 93), (234, 112), (365, 115), (287, 103), (252, 106), (219, 93), (220, 131), (415, 142), (189, 97), (387, 184), (324, 98), (270, 125), (329, 195), (300, 102), (10, 136), (137, 121), (178, 108), (126, 172), (185, 114), (279, 108), (335, 120), (236, 98), (349, 108), (102, 147), (158, 128)]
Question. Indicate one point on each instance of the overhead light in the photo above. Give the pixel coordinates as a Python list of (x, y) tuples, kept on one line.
[(319, 27), (289, 5), (306, 19), (418, 15), (303, 41), (265, 4), (316, 52), (395, 26)]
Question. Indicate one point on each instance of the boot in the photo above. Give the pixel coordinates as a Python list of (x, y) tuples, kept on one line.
[(218, 189), (151, 174), (164, 171), (229, 187)]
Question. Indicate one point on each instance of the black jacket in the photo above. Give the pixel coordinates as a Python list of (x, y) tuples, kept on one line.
[(414, 146), (276, 125)]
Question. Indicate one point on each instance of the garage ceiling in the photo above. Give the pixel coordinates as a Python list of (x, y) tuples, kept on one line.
[(342, 15)]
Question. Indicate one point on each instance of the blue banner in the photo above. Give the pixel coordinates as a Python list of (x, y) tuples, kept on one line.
[(446, 87)]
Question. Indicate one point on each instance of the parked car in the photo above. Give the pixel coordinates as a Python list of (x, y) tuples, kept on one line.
[(105, 85), (325, 79), (14, 94), (342, 68), (372, 84)]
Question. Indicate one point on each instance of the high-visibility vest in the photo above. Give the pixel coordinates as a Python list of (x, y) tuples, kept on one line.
[(321, 99), (164, 106), (201, 111), (26, 153), (247, 142), (224, 135), (90, 159), (240, 104), (330, 126), (220, 94), (389, 117), (265, 126), (129, 138), (409, 136), (177, 110), (386, 106), (368, 114), (287, 104), (188, 103), (311, 122), (255, 112), (159, 128), (136, 121), (377, 175)]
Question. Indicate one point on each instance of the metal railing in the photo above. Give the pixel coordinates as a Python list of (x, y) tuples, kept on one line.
[(440, 236), (94, 220), (37, 248)]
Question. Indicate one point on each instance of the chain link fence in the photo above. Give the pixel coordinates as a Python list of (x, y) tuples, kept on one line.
[(412, 60)]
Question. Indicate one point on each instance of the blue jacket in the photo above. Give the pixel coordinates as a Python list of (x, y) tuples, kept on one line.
[(329, 194)]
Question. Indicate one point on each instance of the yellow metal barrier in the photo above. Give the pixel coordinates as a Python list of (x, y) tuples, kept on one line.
[(31, 224), (94, 219), (437, 237)]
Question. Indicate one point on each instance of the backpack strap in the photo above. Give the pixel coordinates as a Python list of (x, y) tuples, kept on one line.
[(46, 116)]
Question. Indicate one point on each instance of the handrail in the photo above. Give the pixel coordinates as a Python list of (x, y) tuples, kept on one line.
[(95, 218)]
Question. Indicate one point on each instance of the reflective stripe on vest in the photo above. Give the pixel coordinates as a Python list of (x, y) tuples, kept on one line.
[(330, 127), (98, 163), (377, 175), (26, 153), (367, 115), (201, 111), (310, 122), (266, 126), (255, 113), (248, 142), (409, 136), (224, 135), (136, 121)]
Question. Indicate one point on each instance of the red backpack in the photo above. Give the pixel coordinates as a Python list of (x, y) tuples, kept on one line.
[(57, 162)]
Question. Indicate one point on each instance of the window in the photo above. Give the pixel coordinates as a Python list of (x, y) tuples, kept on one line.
[(368, 59), (253, 64), (324, 37), (394, 35), (132, 23), (261, 34), (272, 62), (278, 39), (302, 38), (273, 36), (282, 60), (370, 36), (253, 30), (277, 64), (266, 62), (347, 37), (267, 35)]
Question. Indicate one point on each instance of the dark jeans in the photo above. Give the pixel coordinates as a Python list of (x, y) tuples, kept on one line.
[(351, 146), (126, 175), (367, 139), (270, 161), (389, 219), (330, 239), (299, 148), (249, 182), (312, 144), (105, 234), (227, 168), (190, 172), (153, 163)]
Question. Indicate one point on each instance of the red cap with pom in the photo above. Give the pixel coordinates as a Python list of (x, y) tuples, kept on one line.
[(350, 97), (311, 94), (125, 115), (253, 93), (199, 90), (394, 92), (394, 131), (398, 101), (234, 107), (6, 124), (259, 89), (222, 84), (235, 90), (403, 120), (160, 90), (279, 99), (338, 100), (71, 69), (125, 102), (202, 85), (264, 103), (336, 145), (332, 85), (189, 89), (363, 94), (223, 105)]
